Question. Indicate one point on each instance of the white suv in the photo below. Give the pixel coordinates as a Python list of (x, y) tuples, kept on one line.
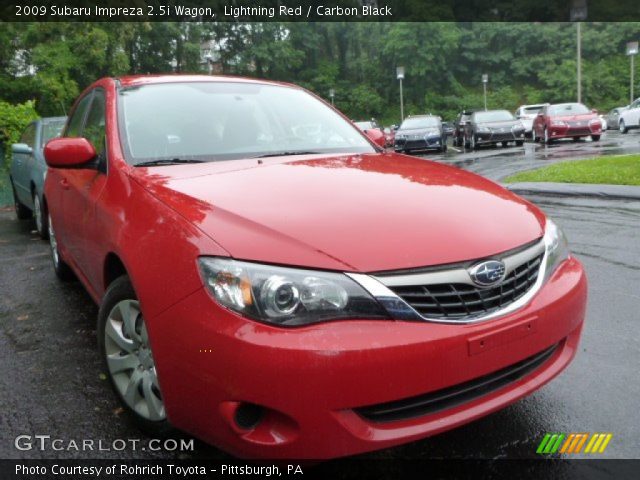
[(526, 114), (630, 118)]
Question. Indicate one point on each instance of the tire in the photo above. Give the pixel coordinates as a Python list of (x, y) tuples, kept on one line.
[(595, 138), (505, 144), (63, 271), (547, 140), (444, 148), (22, 212), (576, 139), (472, 143), (127, 359), (40, 217), (519, 143), (622, 127)]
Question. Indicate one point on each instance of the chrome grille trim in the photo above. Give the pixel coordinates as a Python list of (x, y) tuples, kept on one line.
[(379, 286)]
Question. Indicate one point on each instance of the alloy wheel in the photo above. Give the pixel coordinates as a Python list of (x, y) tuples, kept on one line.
[(130, 360), (53, 243)]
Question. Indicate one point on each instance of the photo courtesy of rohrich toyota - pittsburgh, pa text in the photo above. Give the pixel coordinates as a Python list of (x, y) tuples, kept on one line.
[(341, 239)]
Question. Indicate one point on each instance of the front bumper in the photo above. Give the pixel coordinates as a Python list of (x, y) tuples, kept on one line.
[(574, 131), (311, 380), (498, 137), (428, 143)]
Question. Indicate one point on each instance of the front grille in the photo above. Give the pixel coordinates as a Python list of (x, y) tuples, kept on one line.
[(505, 137), (461, 301), (578, 131), (452, 396)]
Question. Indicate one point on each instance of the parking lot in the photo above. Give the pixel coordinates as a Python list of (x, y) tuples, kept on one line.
[(52, 381), (498, 162)]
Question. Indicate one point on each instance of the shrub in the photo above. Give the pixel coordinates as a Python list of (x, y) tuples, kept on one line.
[(13, 121)]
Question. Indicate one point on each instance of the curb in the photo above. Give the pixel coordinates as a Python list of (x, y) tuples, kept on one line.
[(618, 192)]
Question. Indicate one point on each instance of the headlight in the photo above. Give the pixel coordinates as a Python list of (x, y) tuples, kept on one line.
[(286, 296), (557, 248), (595, 121), (558, 123), (432, 133), (484, 130), (515, 128)]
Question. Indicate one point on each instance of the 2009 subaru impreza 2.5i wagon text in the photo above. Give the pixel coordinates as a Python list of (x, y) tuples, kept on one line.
[(273, 283)]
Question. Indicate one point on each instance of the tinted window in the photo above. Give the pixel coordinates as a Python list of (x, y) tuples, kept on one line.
[(493, 116), (51, 129), (94, 129), (29, 135), (568, 109), (227, 120), (421, 122), (75, 123)]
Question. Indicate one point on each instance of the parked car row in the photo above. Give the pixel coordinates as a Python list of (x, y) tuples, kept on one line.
[(268, 277), (471, 129)]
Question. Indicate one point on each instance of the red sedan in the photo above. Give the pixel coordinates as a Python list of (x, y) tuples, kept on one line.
[(273, 283), (566, 120)]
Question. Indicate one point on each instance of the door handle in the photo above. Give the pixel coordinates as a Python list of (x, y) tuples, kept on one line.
[(64, 184)]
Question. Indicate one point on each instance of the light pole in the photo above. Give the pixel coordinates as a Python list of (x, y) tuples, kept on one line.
[(332, 94), (485, 80), (632, 51), (400, 77), (578, 14)]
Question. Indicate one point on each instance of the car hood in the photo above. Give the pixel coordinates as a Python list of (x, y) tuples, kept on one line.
[(364, 213), (505, 124), (576, 118)]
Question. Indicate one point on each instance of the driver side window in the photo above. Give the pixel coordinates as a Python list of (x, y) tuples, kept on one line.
[(94, 127)]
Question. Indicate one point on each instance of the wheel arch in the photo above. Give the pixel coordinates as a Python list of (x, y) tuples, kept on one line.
[(113, 268)]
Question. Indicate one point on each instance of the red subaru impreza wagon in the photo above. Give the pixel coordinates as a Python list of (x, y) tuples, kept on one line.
[(273, 283)]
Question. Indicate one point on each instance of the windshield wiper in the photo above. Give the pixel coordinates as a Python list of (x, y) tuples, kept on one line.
[(286, 153), (167, 161)]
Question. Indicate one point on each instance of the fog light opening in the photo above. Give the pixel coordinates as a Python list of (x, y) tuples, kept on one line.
[(248, 416)]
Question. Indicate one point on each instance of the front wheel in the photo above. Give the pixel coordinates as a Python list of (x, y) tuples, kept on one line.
[(22, 212), (127, 357), (472, 143), (595, 138), (63, 271), (519, 143), (547, 138), (622, 127)]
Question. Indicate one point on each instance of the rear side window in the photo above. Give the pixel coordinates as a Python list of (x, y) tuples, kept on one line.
[(94, 128), (29, 135), (75, 122)]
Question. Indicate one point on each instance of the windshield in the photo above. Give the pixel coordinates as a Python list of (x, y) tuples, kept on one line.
[(531, 110), (420, 122), (494, 116), (211, 121), (52, 129), (365, 125), (568, 109)]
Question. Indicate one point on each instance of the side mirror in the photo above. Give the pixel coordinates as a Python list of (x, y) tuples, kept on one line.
[(68, 152), (21, 148), (594, 111), (394, 127), (376, 136)]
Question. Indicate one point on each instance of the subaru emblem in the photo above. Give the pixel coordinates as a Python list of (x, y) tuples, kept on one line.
[(487, 273)]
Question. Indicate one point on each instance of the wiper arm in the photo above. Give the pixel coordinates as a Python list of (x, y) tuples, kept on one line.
[(286, 153), (167, 161)]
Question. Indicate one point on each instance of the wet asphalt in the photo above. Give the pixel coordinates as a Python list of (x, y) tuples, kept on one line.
[(51, 380)]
